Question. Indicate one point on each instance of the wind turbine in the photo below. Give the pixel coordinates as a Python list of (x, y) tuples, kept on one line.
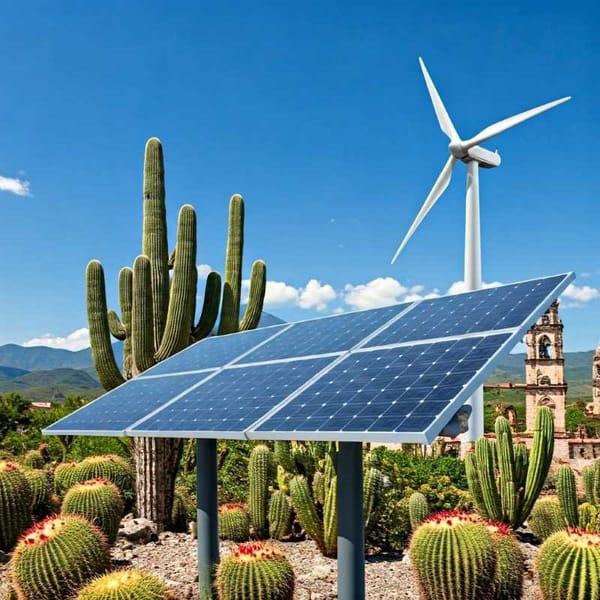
[(470, 152)]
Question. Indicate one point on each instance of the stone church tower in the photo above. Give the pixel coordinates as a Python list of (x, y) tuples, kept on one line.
[(545, 369), (596, 382)]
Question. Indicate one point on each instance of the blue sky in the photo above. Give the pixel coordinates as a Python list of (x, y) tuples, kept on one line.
[(318, 114)]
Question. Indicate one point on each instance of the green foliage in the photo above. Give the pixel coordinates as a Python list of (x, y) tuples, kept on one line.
[(546, 518), (15, 413), (567, 565), (67, 547), (15, 504), (127, 584), (255, 571), (260, 469), (100, 502), (234, 522), (454, 558)]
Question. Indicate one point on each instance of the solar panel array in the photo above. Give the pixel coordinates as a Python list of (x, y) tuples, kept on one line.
[(397, 373)]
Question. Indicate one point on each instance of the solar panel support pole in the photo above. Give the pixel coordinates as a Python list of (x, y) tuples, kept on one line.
[(473, 281), (351, 528), (207, 515)]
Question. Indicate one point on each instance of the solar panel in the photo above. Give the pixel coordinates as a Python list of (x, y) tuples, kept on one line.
[(213, 352), (390, 374), (337, 333), (112, 413), (231, 401)]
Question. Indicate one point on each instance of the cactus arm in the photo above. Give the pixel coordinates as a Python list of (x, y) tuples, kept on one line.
[(306, 510), (115, 326), (254, 306), (330, 515), (567, 495), (588, 484), (506, 468), (210, 307), (233, 267), (142, 341), (102, 353), (539, 459), (171, 261), (183, 291), (125, 300), (484, 457), (154, 236), (474, 485)]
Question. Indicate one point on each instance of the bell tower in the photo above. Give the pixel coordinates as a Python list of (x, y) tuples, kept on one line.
[(596, 382), (545, 369)]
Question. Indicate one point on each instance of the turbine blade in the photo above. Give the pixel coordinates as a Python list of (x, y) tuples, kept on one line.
[(505, 124), (436, 191), (440, 110)]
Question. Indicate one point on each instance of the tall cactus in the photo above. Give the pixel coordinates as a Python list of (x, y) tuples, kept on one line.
[(503, 479), (260, 468), (567, 495), (158, 315), (418, 509)]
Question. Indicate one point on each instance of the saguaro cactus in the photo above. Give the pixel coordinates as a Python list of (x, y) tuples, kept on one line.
[(158, 316), (503, 479)]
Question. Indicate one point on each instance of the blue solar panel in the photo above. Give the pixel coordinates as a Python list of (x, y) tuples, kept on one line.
[(391, 390), (321, 336), (232, 400), (484, 310), (215, 351), (112, 413)]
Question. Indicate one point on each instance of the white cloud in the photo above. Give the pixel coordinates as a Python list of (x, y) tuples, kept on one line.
[(382, 291), (459, 286), (12, 185), (279, 293), (203, 271), (580, 294), (77, 340), (316, 295)]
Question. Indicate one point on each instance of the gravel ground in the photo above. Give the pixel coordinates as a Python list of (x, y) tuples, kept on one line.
[(173, 558)]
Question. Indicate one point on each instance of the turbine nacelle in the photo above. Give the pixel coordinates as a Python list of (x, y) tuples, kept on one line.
[(485, 158)]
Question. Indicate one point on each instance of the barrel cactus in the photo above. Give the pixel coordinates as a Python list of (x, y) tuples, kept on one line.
[(454, 558), (33, 459), (100, 502), (15, 504), (65, 475), (588, 517), (567, 565), (234, 522), (260, 468), (41, 490), (511, 563), (67, 547), (126, 584), (280, 515), (255, 571), (546, 518), (418, 509)]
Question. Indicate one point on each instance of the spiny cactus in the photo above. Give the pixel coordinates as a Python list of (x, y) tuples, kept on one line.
[(588, 517), (255, 571), (15, 504), (418, 509), (100, 502), (589, 482), (33, 459), (567, 565), (306, 510), (57, 556), (372, 495), (41, 490), (65, 475), (454, 558), (503, 479), (280, 515), (546, 518), (158, 314), (234, 522), (567, 495), (511, 562), (183, 510), (126, 584), (260, 468)]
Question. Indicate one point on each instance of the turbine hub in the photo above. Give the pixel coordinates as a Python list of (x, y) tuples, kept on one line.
[(457, 150)]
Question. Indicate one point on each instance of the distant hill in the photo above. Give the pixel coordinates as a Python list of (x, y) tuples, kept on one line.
[(11, 373)]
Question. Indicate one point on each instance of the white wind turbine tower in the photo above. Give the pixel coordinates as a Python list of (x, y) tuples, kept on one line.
[(469, 152)]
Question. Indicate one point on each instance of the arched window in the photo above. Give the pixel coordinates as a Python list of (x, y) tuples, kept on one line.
[(545, 347), (547, 402)]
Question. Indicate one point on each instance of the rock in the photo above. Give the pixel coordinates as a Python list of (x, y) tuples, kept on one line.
[(138, 531)]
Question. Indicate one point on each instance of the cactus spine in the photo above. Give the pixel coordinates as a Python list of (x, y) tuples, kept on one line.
[(510, 565), (306, 510), (589, 477), (418, 509), (33, 459), (454, 558), (372, 495), (127, 584), (67, 547), (504, 481), (259, 470), (280, 515), (546, 518), (255, 571), (65, 475), (15, 504), (588, 517), (41, 491), (234, 522), (567, 565), (115, 469), (100, 502), (567, 495)]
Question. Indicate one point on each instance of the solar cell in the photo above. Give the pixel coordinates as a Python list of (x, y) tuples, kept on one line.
[(226, 404), (112, 413), (384, 391), (215, 351), (325, 335)]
